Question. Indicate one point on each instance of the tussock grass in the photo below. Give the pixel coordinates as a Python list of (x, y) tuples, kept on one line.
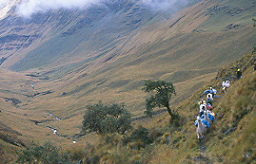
[(179, 59), (188, 59), (230, 138)]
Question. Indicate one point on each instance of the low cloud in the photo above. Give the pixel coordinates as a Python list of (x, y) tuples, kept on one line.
[(3, 3), (26, 8), (164, 4), (29, 7)]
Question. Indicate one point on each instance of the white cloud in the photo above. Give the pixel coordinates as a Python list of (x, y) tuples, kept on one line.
[(5, 7), (3, 3), (164, 4), (28, 7)]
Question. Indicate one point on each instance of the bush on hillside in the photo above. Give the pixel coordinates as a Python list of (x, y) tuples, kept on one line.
[(48, 153), (103, 119), (140, 137)]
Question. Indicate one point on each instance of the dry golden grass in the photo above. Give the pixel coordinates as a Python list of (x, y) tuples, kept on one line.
[(230, 139), (189, 58)]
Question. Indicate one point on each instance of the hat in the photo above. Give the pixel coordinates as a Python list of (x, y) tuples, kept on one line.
[(238, 70)]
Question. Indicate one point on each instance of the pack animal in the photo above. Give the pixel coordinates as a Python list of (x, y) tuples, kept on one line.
[(201, 128)]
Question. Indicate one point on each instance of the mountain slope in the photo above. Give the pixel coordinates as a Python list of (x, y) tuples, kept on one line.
[(100, 27), (179, 58), (85, 60), (231, 136)]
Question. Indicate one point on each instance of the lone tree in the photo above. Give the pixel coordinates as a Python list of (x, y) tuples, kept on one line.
[(102, 119), (163, 92)]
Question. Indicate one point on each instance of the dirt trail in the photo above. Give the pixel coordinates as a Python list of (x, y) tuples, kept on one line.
[(201, 158)]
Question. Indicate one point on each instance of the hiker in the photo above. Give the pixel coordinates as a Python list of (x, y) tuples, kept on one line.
[(209, 99), (238, 74), (200, 102), (225, 86), (202, 108), (224, 89), (214, 91)]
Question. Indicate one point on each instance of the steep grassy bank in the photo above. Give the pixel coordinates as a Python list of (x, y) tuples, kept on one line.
[(187, 57), (230, 139)]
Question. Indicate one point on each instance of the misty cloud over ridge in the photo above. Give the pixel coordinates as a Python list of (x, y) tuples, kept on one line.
[(164, 4), (3, 3), (29, 7), (26, 8)]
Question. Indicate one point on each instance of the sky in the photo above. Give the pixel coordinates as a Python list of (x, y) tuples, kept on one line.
[(29, 7)]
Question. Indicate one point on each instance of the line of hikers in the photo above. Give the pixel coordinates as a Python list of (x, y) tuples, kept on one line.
[(206, 116), (226, 84)]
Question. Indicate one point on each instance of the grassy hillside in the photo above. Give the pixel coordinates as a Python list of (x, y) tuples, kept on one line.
[(186, 49), (179, 54), (230, 139)]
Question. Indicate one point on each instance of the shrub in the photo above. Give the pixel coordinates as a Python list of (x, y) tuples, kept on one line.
[(48, 153), (154, 134), (103, 119), (140, 137)]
